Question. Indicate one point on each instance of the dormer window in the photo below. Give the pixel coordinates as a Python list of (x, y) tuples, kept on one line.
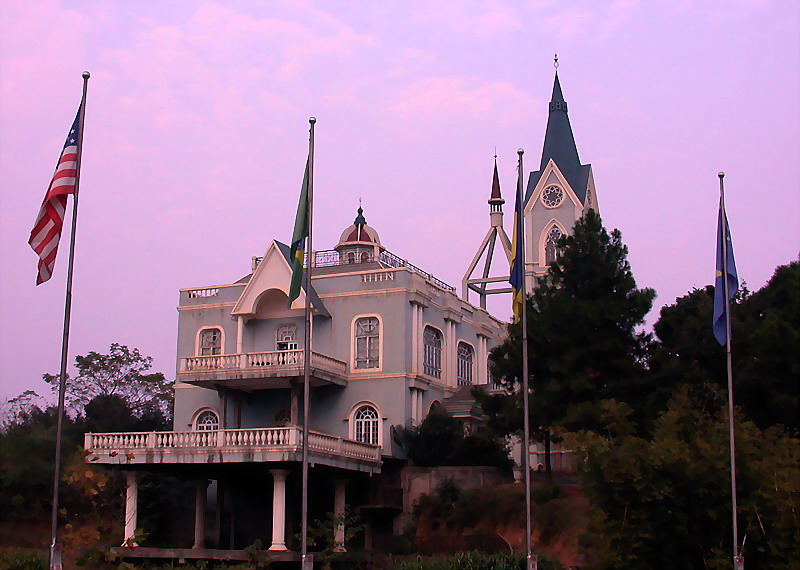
[(286, 337)]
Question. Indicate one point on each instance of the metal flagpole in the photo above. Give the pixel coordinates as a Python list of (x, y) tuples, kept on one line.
[(738, 560), (307, 562), (55, 551), (526, 438)]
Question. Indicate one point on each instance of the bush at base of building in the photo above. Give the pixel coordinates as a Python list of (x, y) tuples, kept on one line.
[(476, 561)]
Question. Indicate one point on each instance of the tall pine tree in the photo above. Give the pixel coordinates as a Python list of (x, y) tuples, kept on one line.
[(583, 346)]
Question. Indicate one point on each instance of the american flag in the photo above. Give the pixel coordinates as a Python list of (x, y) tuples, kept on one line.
[(47, 229)]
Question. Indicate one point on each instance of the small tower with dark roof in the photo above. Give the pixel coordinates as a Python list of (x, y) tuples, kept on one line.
[(359, 243), (480, 285)]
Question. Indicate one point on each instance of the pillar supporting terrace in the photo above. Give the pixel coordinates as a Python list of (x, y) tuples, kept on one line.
[(279, 509)]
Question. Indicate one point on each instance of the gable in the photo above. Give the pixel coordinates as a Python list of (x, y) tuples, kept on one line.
[(549, 176), (270, 283)]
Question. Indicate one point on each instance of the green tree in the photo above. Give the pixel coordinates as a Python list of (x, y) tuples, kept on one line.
[(123, 372), (441, 441), (583, 343), (664, 499), (765, 337)]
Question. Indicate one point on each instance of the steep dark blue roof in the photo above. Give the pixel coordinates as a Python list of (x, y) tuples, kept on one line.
[(559, 145)]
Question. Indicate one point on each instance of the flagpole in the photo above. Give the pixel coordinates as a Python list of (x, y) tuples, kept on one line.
[(55, 558), (525, 394), (738, 561), (305, 561)]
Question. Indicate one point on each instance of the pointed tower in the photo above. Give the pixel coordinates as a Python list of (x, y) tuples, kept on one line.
[(480, 285), (558, 193)]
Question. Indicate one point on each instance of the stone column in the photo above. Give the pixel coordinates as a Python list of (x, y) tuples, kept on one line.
[(131, 508), (239, 334), (200, 513), (279, 509), (338, 513)]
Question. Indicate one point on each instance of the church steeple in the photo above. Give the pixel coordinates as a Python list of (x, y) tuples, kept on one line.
[(559, 143)]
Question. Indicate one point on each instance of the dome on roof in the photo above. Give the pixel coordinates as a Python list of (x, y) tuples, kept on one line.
[(359, 233)]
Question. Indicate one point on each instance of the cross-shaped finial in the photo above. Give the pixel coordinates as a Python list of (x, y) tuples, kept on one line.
[(555, 61)]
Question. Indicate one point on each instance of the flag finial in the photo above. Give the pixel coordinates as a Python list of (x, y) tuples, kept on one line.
[(721, 175), (555, 62)]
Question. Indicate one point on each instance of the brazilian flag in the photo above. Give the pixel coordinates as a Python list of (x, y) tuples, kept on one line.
[(297, 255)]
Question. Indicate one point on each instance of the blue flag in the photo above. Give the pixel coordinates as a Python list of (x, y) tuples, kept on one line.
[(516, 278), (721, 304)]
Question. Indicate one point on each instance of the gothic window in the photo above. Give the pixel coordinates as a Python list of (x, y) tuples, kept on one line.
[(210, 342), (207, 421), (366, 422), (551, 250), (367, 341), (286, 337), (432, 357), (466, 355)]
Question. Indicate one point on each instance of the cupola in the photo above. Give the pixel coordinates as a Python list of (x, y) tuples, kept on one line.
[(359, 242)]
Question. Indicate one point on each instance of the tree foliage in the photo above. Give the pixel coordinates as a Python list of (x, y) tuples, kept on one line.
[(441, 441), (665, 499), (583, 343), (123, 373), (765, 336)]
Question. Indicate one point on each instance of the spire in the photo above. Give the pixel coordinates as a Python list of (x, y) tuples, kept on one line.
[(360, 221), (559, 143), (496, 198)]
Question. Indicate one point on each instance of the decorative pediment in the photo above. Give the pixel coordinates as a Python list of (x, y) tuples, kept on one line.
[(552, 175), (270, 282)]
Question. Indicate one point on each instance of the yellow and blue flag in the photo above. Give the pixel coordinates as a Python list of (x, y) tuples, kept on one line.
[(517, 277), (725, 261), (297, 254)]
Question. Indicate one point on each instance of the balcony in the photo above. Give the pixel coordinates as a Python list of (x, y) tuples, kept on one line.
[(260, 370), (256, 445)]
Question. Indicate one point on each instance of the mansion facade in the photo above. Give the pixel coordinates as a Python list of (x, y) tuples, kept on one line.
[(390, 341)]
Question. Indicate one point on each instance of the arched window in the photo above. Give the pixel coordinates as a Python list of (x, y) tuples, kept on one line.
[(366, 423), (286, 337), (207, 421), (466, 355), (364, 257), (367, 343), (210, 342), (432, 357), (351, 257), (551, 245)]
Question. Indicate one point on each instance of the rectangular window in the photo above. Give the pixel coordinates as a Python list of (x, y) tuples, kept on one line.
[(465, 354), (367, 339), (432, 357), (210, 342)]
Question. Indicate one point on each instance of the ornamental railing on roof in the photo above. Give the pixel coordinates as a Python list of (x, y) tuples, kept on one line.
[(332, 258)]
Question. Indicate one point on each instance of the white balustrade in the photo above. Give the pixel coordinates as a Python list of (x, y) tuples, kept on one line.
[(280, 437), (257, 360), (206, 292)]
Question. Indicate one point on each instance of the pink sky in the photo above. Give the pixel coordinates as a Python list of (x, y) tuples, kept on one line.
[(196, 134)]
